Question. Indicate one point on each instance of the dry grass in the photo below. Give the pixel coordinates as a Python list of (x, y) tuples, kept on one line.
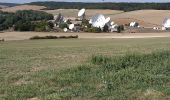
[(146, 18), (26, 35), (72, 13), (23, 7), (29, 69)]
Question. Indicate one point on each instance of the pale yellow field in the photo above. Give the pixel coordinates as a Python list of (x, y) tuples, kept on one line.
[(8, 36), (22, 7), (147, 18), (70, 13)]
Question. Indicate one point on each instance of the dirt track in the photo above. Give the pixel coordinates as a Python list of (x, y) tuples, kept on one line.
[(8, 36)]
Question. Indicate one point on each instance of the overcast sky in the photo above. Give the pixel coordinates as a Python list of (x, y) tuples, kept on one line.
[(26, 1)]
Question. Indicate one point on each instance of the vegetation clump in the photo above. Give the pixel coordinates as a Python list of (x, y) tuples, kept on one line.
[(114, 6), (26, 20), (52, 37), (122, 77)]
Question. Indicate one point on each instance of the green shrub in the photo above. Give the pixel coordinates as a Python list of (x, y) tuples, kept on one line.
[(53, 37), (106, 28), (22, 20), (41, 26), (24, 26), (63, 25), (93, 30)]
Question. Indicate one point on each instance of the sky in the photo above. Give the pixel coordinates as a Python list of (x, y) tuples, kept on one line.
[(26, 1)]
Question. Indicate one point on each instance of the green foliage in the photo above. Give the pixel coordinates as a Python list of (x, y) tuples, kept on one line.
[(93, 30), (30, 15), (24, 26), (85, 22), (50, 25), (52, 37), (21, 18), (106, 28), (114, 6), (120, 28), (41, 26), (63, 25), (117, 77), (50, 70)]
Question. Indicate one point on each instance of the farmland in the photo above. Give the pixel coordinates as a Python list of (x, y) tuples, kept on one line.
[(29, 69), (146, 18), (22, 7), (130, 65), (72, 13), (9, 36)]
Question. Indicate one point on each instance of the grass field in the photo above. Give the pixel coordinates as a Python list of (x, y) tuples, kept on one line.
[(65, 69)]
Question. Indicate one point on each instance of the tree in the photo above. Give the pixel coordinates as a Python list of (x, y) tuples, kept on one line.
[(106, 28)]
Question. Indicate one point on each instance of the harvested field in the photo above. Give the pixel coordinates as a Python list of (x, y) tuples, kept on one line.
[(23, 7), (146, 18), (72, 13)]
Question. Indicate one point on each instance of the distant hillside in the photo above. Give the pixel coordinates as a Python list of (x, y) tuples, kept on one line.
[(8, 4), (23, 7), (114, 6)]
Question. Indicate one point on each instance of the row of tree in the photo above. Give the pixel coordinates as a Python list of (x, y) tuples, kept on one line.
[(26, 20), (113, 6)]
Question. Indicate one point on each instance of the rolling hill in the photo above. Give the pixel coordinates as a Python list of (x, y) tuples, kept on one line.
[(147, 18), (22, 7)]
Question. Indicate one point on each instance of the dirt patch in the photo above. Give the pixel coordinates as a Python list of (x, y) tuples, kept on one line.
[(150, 94)]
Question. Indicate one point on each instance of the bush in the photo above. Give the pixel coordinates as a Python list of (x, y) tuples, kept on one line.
[(41, 26), (22, 20), (93, 30), (24, 26), (120, 28), (53, 37), (63, 25), (106, 28), (50, 25)]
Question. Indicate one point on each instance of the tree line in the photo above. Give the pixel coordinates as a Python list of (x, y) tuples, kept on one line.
[(114, 6), (26, 20)]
